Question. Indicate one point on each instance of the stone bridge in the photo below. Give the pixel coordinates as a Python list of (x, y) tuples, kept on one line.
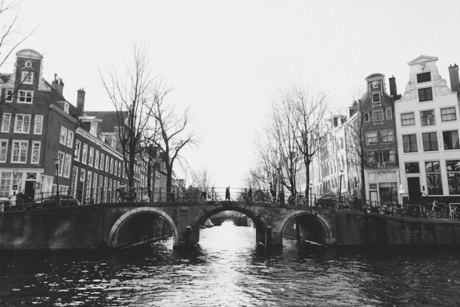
[(123, 224)]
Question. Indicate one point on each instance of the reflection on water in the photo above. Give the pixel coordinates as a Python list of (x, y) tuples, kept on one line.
[(229, 269)]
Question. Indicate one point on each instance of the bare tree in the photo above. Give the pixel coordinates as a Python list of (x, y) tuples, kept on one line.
[(10, 34), (171, 133), (202, 180), (131, 94)]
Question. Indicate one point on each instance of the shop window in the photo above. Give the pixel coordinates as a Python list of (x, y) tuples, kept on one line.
[(433, 178), (453, 176)]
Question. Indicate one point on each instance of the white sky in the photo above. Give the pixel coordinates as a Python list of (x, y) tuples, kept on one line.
[(229, 59)]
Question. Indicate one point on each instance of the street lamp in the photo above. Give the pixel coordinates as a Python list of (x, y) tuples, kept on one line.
[(56, 163)]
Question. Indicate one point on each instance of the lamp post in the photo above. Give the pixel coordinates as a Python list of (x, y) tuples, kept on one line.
[(56, 163)]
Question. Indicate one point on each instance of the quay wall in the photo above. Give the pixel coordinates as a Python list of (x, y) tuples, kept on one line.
[(82, 227)]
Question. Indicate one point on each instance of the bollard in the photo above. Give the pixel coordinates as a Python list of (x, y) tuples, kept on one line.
[(188, 236), (268, 237)]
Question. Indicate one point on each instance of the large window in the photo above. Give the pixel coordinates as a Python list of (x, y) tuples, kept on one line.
[(371, 138), (84, 154), (410, 143), (25, 97), (433, 178), (427, 118), (63, 136), (96, 159), (430, 141), (3, 150), (373, 156), (6, 122), (388, 155), (91, 156), (450, 139), (22, 124), (407, 119), (5, 184), (19, 151), (448, 114), (423, 77), (425, 94), (387, 136), (66, 171), (77, 150), (38, 125), (69, 141), (102, 162), (377, 115), (61, 156), (453, 176), (35, 158)]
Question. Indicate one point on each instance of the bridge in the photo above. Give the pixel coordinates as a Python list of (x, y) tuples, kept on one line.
[(116, 225)]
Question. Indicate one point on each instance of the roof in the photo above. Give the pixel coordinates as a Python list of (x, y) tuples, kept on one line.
[(375, 76), (422, 59), (109, 119)]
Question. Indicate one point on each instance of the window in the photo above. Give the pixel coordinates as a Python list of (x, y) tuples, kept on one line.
[(38, 124), (111, 165), (388, 155), (430, 141), (96, 159), (377, 115), (448, 114), (61, 162), (373, 156), (107, 162), (371, 138), (69, 142), (376, 97), (3, 150), (35, 159), (27, 77), (9, 95), (114, 142), (25, 97), (453, 176), (74, 180), (82, 175), (387, 136), (410, 143), (427, 118), (450, 139), (63, 136), (6, 121), (93, 129), (19, 151), (366, 116), (91, 156), (22, 124), (66, 171), (77, 150), (425, 94), (119, 169), (423, 77), (5, 183), (389, 113), (96, 194), (115, 166), (102, 162), (66, 107), (407, 119), (412, 168), (84, 153), (433, 178)]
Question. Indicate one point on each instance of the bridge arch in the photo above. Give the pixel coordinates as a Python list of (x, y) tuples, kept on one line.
[(259, 222), (115, 230), (318, 224)]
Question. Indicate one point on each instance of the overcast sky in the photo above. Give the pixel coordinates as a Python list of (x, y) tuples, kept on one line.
[(228, 60)]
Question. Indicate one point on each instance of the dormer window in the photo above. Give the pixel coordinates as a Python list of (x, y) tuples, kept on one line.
[(376, 97), (424, 77), (66, 107), (114, 142), (27, 77), (93, 129)]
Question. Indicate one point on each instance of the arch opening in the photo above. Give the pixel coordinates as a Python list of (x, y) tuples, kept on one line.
[(258, 223), (307, 227), (141, 225)]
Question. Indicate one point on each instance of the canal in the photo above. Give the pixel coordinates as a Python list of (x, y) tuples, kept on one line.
[(229, 269)]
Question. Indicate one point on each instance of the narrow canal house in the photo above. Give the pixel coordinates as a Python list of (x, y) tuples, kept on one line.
[(427, 119), (39, 125)]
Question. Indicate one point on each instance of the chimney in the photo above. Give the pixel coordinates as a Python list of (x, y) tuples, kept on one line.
[(454, 82), (58, 85), (393, 90), (81, 100)]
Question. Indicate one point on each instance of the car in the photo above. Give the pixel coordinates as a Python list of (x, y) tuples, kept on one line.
[(52, 202)]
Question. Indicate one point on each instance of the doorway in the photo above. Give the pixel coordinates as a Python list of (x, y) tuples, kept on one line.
[(413, 184)]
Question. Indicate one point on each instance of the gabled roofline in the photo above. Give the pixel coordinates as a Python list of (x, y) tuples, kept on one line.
[(422, 59)]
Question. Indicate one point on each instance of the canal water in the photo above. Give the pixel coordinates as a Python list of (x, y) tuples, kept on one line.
[(229, 269)]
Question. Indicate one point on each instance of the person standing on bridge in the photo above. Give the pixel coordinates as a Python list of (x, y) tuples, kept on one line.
[(227, 194)]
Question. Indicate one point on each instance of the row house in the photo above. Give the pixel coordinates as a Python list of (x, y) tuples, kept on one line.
[(39, 125), (427, 120)]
